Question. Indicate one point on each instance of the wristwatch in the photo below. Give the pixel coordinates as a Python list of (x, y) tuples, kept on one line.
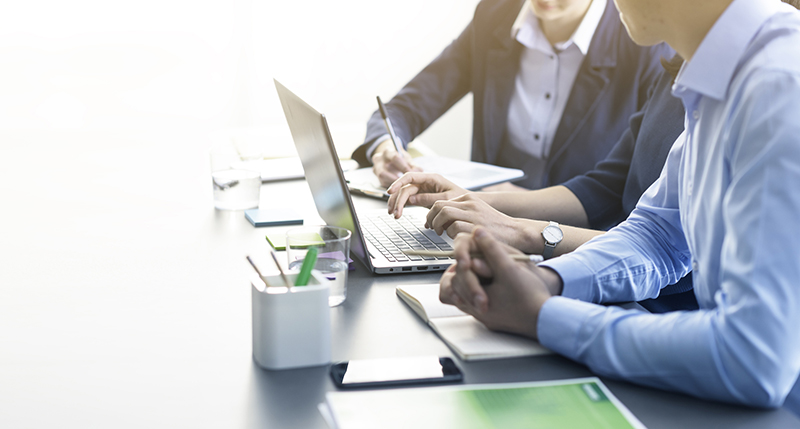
[(552, 236)]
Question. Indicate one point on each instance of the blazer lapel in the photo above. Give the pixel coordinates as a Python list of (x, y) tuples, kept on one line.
[(590, 85), (502, 65)]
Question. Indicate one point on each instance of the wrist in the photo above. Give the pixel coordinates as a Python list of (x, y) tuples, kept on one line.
[(535, 308), (383, 146), (531, 237), (552, 280)]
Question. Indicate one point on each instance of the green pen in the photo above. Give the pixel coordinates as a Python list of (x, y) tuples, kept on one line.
[(308, 265)]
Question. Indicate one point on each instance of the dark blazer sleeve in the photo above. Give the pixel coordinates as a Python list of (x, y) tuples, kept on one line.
[(610, 191), (446, 80), (427, 96), (600, 190)]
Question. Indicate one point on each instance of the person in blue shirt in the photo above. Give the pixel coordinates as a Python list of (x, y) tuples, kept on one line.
[(553, 85), (724, 208)]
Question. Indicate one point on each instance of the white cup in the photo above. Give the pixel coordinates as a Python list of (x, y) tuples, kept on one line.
[(291, 326)]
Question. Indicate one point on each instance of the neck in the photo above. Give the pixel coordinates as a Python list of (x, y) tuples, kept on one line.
[(691, 26), (560, 29)]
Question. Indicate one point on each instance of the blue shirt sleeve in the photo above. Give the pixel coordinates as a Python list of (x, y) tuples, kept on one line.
[(743, 345)]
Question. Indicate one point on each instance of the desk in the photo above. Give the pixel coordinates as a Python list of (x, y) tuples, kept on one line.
[(124, 302)]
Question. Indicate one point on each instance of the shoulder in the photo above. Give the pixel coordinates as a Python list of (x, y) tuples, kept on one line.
[(770, 67)]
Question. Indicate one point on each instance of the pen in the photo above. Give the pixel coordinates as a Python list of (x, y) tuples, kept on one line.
[(308, 265), (389, 126), (450, 253), (283, 275)]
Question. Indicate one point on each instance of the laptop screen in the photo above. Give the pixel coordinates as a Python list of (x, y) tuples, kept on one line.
[(321, 165)]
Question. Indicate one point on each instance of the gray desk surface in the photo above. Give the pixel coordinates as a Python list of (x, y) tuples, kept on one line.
[(124, 302)]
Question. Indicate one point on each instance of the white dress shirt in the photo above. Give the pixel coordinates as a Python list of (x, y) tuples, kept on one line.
[(726, 209), (545, 78)]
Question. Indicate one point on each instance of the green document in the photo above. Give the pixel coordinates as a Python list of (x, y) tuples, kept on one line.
[(578, 403)]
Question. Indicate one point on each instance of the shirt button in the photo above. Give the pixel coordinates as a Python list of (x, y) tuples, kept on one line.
[(694, 265), (552, 57), (547, 96), (696, 114), (536, 136)]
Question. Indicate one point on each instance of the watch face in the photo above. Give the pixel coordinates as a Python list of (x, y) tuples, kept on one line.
[(552, 234)]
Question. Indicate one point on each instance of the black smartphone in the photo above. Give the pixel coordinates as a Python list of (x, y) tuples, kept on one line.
[(395, 371)]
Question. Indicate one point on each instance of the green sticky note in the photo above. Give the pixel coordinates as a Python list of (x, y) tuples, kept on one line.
[(277, 239)]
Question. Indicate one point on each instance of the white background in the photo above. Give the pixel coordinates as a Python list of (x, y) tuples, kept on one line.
[(123, 293), (204, 69)]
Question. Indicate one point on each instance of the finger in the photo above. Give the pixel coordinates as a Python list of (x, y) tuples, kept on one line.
[(481, 268), (465, 283), (495, 253), (402, 197), (387, 176), (458, 227), (448, 212), (425, 181), (404, 180), (428, 199), (446, 294), (410, 161), (399, 162)]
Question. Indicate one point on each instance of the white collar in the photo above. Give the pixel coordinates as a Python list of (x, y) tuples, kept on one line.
[(712, 66)]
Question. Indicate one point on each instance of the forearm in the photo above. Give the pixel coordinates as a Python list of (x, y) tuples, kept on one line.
[(556, 203), (531, 240)]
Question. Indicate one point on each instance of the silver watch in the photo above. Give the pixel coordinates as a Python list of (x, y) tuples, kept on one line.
[(552, 236)]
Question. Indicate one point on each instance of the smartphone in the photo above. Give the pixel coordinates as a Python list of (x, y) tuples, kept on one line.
[(395, 371)]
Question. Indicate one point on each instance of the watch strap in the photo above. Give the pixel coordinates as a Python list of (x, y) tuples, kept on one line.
[(549, 247)]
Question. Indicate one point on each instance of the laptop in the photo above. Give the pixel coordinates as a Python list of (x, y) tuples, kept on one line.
[(378, 238)]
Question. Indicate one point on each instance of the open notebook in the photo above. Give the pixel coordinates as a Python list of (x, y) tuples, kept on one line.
[(467, 337)]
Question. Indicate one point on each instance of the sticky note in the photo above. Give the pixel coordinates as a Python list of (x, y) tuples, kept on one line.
[(277, 238), (273, 217)]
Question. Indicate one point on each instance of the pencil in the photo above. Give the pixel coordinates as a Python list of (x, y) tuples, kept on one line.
[(257, 271), (450, 253), (283, 275)]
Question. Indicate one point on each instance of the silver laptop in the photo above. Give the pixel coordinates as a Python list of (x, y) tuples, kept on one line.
[(378, 238)]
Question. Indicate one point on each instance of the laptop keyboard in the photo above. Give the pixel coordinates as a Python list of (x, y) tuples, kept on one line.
[(391, 236)]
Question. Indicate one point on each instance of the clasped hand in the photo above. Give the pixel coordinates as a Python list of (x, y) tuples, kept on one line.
[(500, 292)]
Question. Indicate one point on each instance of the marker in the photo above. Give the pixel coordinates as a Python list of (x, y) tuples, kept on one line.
[(308, 265)]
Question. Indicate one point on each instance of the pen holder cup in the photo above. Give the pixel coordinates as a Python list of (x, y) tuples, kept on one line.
[(291, 326)]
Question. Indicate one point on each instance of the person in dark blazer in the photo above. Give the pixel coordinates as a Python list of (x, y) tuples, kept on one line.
[(589, 203), (610, 84)]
